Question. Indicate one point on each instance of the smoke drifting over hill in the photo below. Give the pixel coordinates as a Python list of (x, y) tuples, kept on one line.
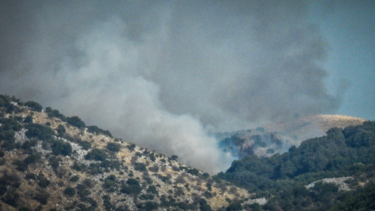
[(163, 73)]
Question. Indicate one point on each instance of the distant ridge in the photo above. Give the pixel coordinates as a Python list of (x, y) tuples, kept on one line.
[(313, 126), (279, 137)]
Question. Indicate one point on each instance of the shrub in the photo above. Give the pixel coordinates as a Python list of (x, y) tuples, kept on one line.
[(151, 205), (69, 191), (78, 167), (204, 206), (28, 119), (55, 113), (131, 147), (33, 158), (61, 148), (140, 166), (41, 196), (11, 198), (54, 162), (152, 189), (113, 147), (234, 206), (152, 157), (85, 145), (96, 130), (39, 131), (74, 178), (30, 176), (21, 166), (110, 183), (174, 157), (76, 121), (193, 171), (131, 187), (34, 106), (42, 181), (154, 168), (96, 154), (61, 130), (28, 144)]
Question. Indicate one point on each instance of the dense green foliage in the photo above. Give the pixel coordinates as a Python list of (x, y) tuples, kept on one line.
[(364, 199), (342, 152)]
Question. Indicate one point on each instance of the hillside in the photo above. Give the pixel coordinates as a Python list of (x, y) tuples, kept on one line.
[(279, 137), (52, 162), (329, 172), (312, 126)]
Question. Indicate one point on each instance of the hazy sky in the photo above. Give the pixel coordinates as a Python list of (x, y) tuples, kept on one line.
[(165, 74), (350, 31)]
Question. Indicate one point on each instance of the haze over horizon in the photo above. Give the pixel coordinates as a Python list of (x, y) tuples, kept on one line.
[(163, 74)]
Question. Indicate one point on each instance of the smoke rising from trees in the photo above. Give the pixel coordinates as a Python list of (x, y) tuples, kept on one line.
[(163, 74)]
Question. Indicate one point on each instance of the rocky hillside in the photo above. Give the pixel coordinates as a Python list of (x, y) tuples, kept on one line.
[(52, 162)]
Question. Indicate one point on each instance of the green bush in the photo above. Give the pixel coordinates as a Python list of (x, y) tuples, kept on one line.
[(193, 171), (28, 144), (146, 197), (174, 157), (96, 154), (96, 130), (74, 178), (55, 113), (76, 121), (21, 166), (131, 187), (78, 167), (204, 206), (61, 130), (110, 183), (131, 147), (85, 145), (33, 158), (30, 176), (151, 205), (140, 166), (113, 147), (54, 162), (61, 148), (34, 106), (28, 119), (39, 131), (69, 191), (43, 182)]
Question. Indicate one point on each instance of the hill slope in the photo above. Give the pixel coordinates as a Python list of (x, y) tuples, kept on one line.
[(52, 162), (279, 137), (313, 175)]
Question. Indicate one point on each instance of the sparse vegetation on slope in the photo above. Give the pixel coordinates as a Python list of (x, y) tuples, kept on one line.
[(52, 162)]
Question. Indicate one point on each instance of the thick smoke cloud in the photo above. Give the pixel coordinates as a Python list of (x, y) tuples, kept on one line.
[(163, 74)]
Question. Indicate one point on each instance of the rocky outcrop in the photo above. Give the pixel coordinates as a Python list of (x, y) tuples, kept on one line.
[(338, 181)]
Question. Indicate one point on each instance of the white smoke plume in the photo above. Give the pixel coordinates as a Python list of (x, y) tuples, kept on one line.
[(163, 74)]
